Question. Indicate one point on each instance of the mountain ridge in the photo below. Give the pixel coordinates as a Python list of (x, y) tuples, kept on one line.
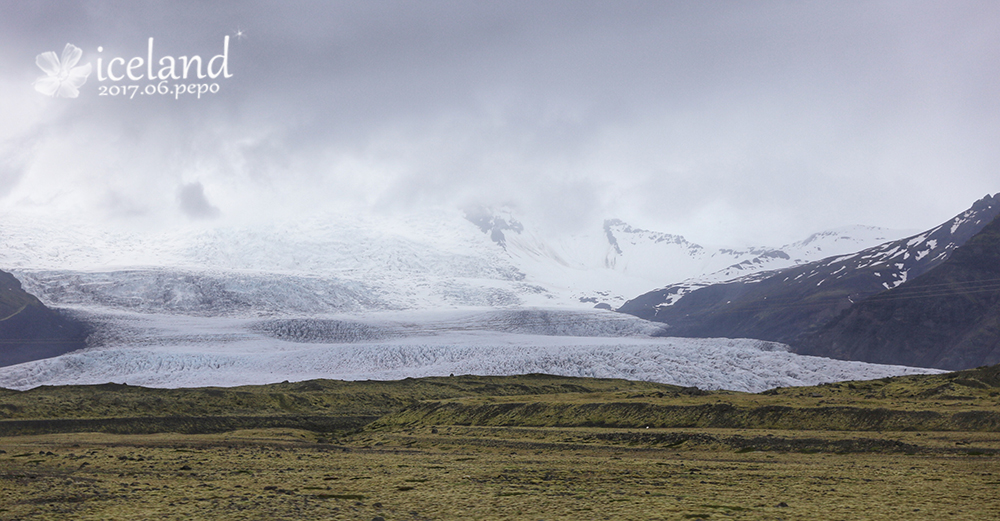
[(784, 304), (948, 318)]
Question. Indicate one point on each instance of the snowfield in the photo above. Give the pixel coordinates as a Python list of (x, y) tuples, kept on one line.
[(337, 263), (180, 351)]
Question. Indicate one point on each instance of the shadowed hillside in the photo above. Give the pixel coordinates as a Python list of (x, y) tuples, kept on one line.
[(948, 318), (791, 305), (31, 331)]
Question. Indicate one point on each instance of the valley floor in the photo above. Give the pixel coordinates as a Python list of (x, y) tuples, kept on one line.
[(499, 473)]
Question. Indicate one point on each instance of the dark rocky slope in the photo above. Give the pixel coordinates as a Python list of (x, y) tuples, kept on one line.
[(786, 305), (31, 331), (948, 318)]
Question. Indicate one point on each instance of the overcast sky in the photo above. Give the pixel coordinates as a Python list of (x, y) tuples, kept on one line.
[(727, 122)]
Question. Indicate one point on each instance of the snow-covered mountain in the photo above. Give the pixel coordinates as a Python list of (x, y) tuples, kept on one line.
[(327, 264), (782, 305), (945, 318), (610, 265), (349, 263), (821, 245)]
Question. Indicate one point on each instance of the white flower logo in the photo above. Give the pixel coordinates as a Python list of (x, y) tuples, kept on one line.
[(62, 78)]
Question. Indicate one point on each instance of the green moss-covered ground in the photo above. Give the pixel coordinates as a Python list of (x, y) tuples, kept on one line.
[(477, 473), (521, 447)]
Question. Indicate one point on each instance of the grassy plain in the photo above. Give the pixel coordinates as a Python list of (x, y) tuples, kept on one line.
[(529, 447)]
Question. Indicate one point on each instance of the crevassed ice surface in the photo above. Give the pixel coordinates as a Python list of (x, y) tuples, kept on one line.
[(179, 351)]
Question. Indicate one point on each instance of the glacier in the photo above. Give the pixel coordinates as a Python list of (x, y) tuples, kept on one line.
[(158, 350), (384, 297)]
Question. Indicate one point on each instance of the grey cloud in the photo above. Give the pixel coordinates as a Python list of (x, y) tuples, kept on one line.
[(118, 206), (795, 115), (15, 155), (194, 204)]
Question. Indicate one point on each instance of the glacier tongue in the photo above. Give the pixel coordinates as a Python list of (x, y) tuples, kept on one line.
[(180, 351)]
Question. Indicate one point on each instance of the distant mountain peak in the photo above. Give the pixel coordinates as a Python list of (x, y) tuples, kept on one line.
[(617, 225), (846, 233), (489, 222)]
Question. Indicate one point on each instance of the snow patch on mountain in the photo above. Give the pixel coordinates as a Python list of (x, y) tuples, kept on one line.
[(762, 305), (817, 246)]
